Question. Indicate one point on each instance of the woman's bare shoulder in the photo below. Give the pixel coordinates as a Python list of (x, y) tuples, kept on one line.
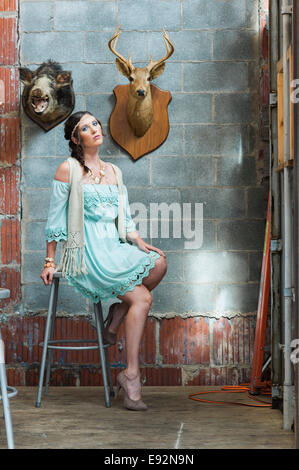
[(63, 172)]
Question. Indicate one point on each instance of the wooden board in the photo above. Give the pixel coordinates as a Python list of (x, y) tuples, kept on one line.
[(121, 131), (280, 123), (290, 63)]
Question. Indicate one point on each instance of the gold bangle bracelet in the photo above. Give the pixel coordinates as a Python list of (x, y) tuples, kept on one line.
[(49, 265)]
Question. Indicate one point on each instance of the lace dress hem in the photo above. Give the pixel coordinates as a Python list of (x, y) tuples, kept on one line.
[(120, 288)]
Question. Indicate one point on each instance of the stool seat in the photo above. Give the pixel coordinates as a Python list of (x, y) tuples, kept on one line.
[(4, 293), (49, 344)]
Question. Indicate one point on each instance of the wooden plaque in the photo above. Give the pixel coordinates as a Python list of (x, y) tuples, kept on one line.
[(121, 131)]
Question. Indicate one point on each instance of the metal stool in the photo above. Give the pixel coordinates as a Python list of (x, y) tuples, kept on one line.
[(6, 392), (50, 343)]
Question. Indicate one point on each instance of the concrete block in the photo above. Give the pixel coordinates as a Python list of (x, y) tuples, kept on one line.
[(216, 267), (96, 47), (35, 203), (134, 42), (174, 267), (101, 106), (216, 140), (36, 16), (39, 172), (61, 46), (135, 173), (173, 145), (234, 108), (218, 203), (193, 171), (217, 14), (147, 196), (253, 74), (257, 202), (181, 298), (62, 146), (32, 267), (142, 204), (33, 235), (215, 76), (188, 45), (231, 45), (190, 108), (232, 171), (170, 79), (84, 15), (178, 240), (93, 78), (255, 266), (237, 298), (252, 14), (241, 235), (150, 15), (109, 146), (36, 297), (37, 142), (80, 104)]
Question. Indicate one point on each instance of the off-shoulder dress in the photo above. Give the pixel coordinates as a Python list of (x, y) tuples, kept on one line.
[(113, 267)]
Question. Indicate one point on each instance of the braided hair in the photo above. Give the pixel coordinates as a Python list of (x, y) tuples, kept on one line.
[(76, 149)]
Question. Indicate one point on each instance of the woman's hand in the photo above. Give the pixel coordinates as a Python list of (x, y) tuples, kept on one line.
[(147, 247), (47, 275)]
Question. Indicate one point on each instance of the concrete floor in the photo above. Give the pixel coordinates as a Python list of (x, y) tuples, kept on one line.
[(76, 418)]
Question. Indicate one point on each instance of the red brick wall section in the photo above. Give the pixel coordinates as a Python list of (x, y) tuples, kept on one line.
[(9, 155), (174, 351)]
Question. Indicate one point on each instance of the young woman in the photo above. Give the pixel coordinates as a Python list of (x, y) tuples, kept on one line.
[(110, 266)]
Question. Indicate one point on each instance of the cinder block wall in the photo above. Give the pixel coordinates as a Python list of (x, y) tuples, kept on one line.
[(201, 325)]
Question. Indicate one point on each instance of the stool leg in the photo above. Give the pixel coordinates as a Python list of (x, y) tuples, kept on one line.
[(100, 327), (5, 401), (45, 348), (50, 352), (112, 394)]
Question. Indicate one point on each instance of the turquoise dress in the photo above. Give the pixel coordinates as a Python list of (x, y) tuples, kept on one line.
[(113, 267)]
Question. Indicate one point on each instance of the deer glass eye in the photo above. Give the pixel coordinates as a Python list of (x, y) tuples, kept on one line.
[(149, 78), (131, 79)]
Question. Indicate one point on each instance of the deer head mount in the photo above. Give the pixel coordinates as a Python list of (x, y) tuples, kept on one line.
[(140, 106)]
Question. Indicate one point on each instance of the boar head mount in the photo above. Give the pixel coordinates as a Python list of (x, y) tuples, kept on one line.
[(48, 96)]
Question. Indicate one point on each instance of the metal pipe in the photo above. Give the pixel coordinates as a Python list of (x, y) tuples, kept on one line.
[(287, 386), (275, 191), (296, 210)]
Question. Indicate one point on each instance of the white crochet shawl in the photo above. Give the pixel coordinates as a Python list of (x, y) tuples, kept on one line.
[(72, 260)]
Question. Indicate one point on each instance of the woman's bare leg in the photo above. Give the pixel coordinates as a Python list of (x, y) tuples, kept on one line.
[(139, 302), (151, 281)]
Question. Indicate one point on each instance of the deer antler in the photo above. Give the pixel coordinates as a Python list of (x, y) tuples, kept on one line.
[(170, 50), (112, 45)]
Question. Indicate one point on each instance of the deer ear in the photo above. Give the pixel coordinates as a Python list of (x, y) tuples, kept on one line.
[(25, 75), (123, 68), (158, 70)]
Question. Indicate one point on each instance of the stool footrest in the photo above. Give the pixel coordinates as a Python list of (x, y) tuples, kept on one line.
[(13, 392), (72, 348)]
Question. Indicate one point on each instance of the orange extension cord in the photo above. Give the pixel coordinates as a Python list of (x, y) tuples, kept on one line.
[(265, 390)]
